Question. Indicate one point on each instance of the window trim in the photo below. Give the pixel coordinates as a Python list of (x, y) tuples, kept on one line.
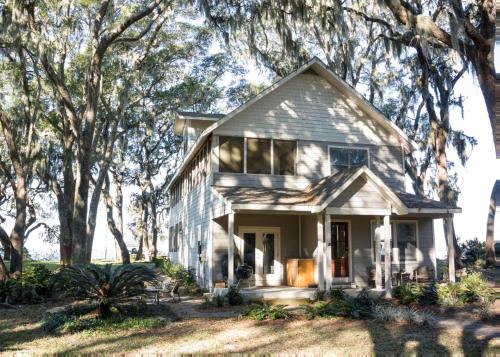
[(244, 159), (296, 163), (245, 155), (394, 241), (367, 149)]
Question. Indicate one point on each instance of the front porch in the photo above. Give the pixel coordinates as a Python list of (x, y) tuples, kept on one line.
[(348, 228)]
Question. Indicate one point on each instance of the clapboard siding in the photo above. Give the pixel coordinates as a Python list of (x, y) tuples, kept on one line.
[(307, 108), (251, 180), (361, 194), (195, 211), (385, 161)]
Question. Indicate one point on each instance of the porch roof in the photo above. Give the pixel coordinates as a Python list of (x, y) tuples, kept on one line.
[(321, 193)]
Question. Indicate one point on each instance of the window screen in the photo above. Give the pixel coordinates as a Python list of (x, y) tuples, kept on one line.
[(406, 235), (230, 154), (258, 156), (285, 153)]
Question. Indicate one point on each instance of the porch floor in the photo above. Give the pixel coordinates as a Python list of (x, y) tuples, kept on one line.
[(278, 293)]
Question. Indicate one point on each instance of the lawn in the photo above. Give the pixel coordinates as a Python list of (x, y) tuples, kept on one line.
[(20, 331)]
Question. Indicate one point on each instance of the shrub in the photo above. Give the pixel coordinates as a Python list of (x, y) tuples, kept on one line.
[(266, 312), (475, 288), (342, 305), (389, 313), (333, 308), (450, 295), (319, 295), (176, 271), (106, 285), (40, 277), (419, 293), (361, 306), (219, 300), (472, 251), (233, 295)]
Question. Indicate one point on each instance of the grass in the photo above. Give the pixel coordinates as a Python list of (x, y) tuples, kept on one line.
[(54, 264), (20, 330)]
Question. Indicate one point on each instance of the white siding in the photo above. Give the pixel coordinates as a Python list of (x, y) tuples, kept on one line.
[(308, 108)]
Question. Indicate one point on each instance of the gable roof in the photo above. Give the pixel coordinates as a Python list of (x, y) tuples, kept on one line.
[(316, 197), (316, 65)]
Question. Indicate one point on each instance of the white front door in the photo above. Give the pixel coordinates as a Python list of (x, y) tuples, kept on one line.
[(259, 247)]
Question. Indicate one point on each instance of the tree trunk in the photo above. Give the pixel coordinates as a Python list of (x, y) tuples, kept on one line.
[(5, 242), (4, 274), (115, 227), (144, 230), (138, 233), (154, 230), (17, 234), (80, 210), (490, 230)]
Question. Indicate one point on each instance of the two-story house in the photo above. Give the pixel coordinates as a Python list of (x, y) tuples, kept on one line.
[(306, 175)]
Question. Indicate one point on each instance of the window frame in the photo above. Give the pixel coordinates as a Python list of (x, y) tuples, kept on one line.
[(367, 149), (296, 158), (243, 158), (394, 241)]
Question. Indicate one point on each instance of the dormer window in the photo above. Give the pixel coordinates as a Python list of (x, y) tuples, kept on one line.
[(345, 157)]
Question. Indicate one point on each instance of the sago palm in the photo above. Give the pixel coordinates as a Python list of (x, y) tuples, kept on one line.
[(106, 284)]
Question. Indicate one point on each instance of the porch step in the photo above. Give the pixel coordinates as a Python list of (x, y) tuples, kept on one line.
[(344, 286)]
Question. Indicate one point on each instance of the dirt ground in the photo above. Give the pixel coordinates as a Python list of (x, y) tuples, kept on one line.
[(220, 330)]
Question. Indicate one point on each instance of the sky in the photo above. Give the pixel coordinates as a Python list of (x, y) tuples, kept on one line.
[(475, 180)]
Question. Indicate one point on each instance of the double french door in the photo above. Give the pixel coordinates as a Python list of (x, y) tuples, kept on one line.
[(259, 248)]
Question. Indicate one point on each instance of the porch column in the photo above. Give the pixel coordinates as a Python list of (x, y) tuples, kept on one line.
[(388, 256), (230, 248), (328, 260), (378, 257), (320, 253), (451, 248)]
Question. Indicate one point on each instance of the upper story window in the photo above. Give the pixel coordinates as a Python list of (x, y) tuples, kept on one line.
[(285, 155), (262, 156), (344, 157), (258, 156), (231, 154)]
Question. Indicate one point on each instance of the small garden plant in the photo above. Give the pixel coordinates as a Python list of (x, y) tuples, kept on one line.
[(266, 312), (233, 296), (106, 285)]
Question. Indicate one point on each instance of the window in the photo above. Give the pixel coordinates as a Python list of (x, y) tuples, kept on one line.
[(406, 239), (174, 236), (285, 153), (382, 239), (258, 156), (230, 154), (343, 158)]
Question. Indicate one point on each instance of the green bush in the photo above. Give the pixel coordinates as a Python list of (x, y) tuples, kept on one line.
[(472, 288), (327, 309), (475, 289), (233, 295), (33, 287), (472, 252), (106, 285), (266, 312), (342, 305), (389, 313), (419, 293), (176, 271)]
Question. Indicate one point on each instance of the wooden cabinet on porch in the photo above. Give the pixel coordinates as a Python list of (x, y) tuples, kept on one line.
[(300, 273)]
